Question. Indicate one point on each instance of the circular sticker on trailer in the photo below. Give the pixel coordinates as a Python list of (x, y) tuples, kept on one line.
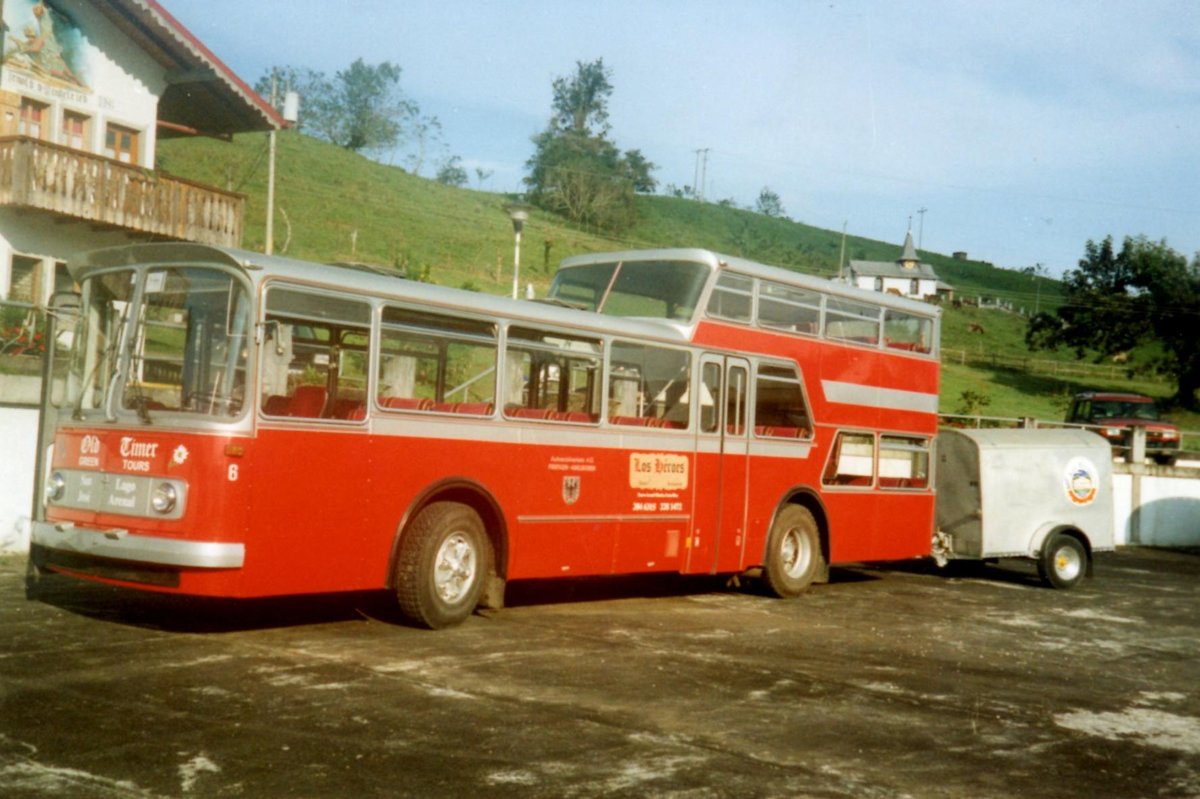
[(1082, 481)]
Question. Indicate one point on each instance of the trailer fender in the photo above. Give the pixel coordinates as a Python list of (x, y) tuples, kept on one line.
[(1043, 533)]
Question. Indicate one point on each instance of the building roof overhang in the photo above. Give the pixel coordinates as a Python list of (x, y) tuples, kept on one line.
[(203, 96)]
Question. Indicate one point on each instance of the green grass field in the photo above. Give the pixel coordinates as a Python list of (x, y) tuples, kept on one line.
[(333, 205)]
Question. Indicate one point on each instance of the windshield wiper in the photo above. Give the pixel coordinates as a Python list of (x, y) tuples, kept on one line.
[(139, 399)]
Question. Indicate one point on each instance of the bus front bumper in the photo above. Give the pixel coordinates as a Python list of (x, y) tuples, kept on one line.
[(119, 544)]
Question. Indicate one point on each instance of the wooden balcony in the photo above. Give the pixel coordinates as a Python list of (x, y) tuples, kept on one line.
[(48, 177)]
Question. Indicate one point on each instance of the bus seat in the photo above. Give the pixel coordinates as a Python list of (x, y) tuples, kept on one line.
[(780, 432), (475, 408), (631, 421), (308, 401), (578, 417), (348, 408), (276, 405), (530, 413), (407, 403)]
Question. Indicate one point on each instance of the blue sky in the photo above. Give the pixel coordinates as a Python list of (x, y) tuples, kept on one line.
[(1024, 128)]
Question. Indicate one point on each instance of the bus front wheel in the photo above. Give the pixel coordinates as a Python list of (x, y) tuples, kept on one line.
[(794, 556), (441, 566)]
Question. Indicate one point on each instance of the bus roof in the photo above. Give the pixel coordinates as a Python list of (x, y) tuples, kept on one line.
[(717, 261), (379, 284)]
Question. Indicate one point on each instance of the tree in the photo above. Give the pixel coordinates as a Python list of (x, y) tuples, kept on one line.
[(639, 168), (452, 173), (361, 108), (425, 135), (581, 101), (1115, 301), (576, 170), (768, 203)]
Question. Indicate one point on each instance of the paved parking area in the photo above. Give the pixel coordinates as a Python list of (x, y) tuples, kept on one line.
[(888, 682)]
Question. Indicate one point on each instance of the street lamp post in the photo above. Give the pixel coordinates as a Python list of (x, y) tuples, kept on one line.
[(518, 213)]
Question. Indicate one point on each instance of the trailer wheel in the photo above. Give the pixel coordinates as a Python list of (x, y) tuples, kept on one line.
[(441, 566), (793, 558), (1063, 563)]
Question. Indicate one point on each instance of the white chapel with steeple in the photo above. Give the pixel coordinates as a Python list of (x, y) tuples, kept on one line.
[(907, 276)]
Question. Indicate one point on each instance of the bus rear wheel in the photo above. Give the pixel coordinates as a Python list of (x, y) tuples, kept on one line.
[(794, 557), (442, 565)]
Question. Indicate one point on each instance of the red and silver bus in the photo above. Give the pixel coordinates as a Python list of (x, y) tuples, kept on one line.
[(230, 424)]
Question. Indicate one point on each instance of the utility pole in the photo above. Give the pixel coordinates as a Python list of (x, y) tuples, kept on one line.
[(921, 230), (269, 246), (699, 173), (842, 257)]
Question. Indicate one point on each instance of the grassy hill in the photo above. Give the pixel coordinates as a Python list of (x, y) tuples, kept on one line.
[(336, 205)]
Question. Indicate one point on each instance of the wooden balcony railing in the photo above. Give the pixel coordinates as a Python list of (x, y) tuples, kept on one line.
[(49, 177)]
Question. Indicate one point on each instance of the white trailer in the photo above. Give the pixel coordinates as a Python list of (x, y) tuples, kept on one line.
[(1043, 494)]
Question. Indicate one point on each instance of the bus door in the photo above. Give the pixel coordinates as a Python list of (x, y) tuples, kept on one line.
[(722, 468), (62, 323)]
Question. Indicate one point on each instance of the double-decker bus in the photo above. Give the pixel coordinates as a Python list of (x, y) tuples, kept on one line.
[(230, 424)]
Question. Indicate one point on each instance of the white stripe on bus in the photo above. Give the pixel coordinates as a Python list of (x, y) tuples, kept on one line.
[(891, 399)]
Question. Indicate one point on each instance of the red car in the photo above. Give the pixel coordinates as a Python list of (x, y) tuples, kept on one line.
[(1116, 414)]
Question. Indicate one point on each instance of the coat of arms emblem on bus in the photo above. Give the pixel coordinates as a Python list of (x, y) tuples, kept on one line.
[(570, 489)]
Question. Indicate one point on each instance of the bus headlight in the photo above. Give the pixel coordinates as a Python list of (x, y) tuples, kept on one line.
[(56, 486), (164, 498)]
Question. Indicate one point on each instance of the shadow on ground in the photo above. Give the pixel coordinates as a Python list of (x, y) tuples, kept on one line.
[(174, 613)]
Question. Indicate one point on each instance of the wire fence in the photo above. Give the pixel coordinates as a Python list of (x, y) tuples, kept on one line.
[(1047, 366)]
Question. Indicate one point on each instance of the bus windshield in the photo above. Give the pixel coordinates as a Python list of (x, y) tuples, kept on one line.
[(160, 340), (652, 289)]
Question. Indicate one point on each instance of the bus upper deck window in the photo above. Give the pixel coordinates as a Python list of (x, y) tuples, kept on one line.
[(732, 298)]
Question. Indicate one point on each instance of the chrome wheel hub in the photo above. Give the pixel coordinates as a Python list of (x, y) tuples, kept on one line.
[(795, 553), (454, 568)]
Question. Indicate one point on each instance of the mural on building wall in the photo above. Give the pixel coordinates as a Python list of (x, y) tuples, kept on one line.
[(44, 40)]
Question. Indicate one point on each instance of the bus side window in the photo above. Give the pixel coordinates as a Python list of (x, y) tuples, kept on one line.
[(903, 331), (856, 322), (732, 298), (779, 407), (851, 461), (437, 363), (788, 308), (314, 355), (295, 369), (647, 386), (551, 377), (903, 462)]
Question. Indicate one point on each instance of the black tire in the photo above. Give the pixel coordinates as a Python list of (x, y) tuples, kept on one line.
[(1064, 561), (442, 565), (793, 558)]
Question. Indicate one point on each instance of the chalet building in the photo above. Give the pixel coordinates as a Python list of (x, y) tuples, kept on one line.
[(87, 89), (907, 276)]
